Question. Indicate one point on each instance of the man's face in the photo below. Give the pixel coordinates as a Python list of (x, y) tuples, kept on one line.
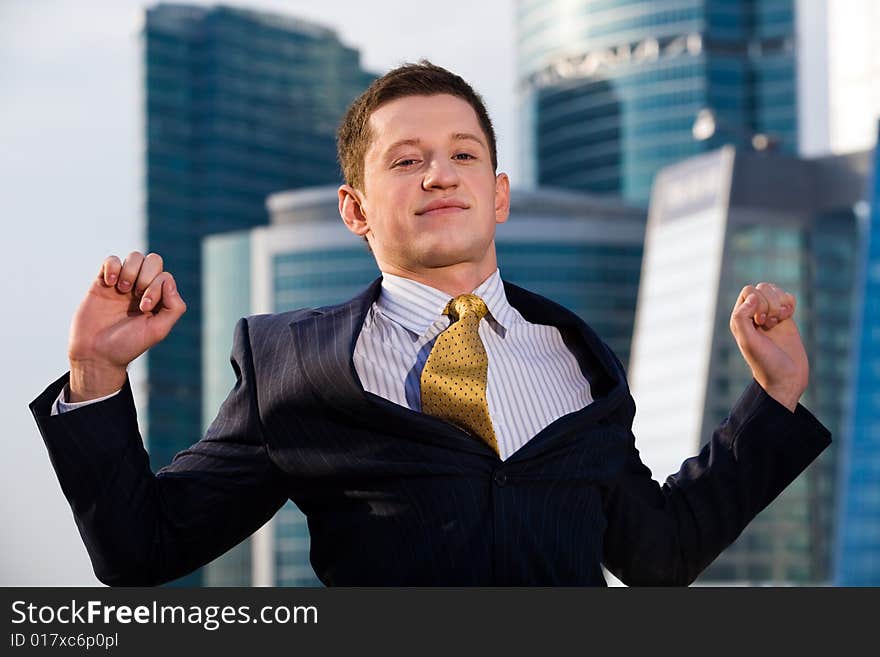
[(431, 198)]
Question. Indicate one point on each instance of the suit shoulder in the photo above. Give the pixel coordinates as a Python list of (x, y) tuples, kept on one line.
[(265, 341), (270, 322), (273, 322)]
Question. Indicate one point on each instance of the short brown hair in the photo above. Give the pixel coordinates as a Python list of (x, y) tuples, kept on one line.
[(422, 79)]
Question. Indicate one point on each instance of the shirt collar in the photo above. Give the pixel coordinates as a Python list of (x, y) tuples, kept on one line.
[(416, 306)]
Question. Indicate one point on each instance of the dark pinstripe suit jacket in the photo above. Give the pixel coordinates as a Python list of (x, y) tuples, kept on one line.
[(395, 497)]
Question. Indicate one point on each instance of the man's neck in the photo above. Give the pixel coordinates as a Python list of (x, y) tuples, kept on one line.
[(451, 280)]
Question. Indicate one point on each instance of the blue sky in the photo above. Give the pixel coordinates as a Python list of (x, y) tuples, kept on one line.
[(70, 194)]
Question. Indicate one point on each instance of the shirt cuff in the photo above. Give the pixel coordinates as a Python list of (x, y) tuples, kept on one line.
[(61, 406)]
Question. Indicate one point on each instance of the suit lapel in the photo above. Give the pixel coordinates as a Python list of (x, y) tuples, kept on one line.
[(324, 342)]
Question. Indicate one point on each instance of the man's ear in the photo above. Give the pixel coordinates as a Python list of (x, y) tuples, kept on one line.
[(502, 198), (351, 210)]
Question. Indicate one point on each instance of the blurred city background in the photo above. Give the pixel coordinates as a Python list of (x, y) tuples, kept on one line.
[(663, 153)]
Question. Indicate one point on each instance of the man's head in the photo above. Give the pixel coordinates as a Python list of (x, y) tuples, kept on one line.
[(418, 154), (422, 79)]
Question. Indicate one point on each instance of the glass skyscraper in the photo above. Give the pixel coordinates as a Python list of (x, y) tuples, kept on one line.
[(239, 104), (582, 252), (858, 538), (609, 89)]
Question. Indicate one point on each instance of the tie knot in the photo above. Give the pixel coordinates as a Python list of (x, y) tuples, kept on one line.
[(464, 305)]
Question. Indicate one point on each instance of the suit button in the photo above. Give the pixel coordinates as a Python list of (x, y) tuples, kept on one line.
[(500, 478)]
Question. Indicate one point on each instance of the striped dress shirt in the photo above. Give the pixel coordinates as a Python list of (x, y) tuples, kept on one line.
[(533, 378)]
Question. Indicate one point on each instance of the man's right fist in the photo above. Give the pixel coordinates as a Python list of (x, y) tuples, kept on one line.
[(129, 307)]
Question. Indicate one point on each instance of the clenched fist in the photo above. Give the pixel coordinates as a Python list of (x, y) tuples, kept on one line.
[(769, 341), (129, 307)]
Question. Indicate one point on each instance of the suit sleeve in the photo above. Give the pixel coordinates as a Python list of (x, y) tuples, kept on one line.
[(145, 529), (667, 535)]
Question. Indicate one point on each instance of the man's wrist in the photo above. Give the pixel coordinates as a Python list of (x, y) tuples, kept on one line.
[(92, 380), (784, 396)]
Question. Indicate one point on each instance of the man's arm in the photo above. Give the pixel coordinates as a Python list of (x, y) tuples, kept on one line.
[(668, 534), (141, 529)]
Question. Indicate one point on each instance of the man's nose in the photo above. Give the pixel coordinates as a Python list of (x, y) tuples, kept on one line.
[(441, 174)]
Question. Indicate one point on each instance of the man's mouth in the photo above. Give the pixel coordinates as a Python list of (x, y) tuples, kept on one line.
[(446, 206)]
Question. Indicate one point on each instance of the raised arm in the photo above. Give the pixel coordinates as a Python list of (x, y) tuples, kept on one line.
[(140, 528), (667, 534)]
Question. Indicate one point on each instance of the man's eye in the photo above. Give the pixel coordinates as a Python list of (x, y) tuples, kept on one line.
[(464, 156), (405, 163)]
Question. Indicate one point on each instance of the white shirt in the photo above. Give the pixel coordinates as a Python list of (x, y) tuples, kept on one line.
[(533, 378)]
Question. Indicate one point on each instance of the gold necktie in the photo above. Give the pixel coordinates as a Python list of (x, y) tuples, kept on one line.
[(454, 378)]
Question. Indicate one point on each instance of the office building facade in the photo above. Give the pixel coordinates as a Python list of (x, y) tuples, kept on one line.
[(717, 222), (858, 536), (580, 251), (609, 90), (238, 104)]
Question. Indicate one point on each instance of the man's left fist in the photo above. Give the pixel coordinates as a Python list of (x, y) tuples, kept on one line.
[(769, 340)]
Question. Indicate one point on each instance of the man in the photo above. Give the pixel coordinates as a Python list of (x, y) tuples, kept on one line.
[(443, 427)]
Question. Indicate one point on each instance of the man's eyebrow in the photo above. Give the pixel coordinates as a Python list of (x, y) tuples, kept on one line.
[(403, 142), (412, 141), (467, 135)]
